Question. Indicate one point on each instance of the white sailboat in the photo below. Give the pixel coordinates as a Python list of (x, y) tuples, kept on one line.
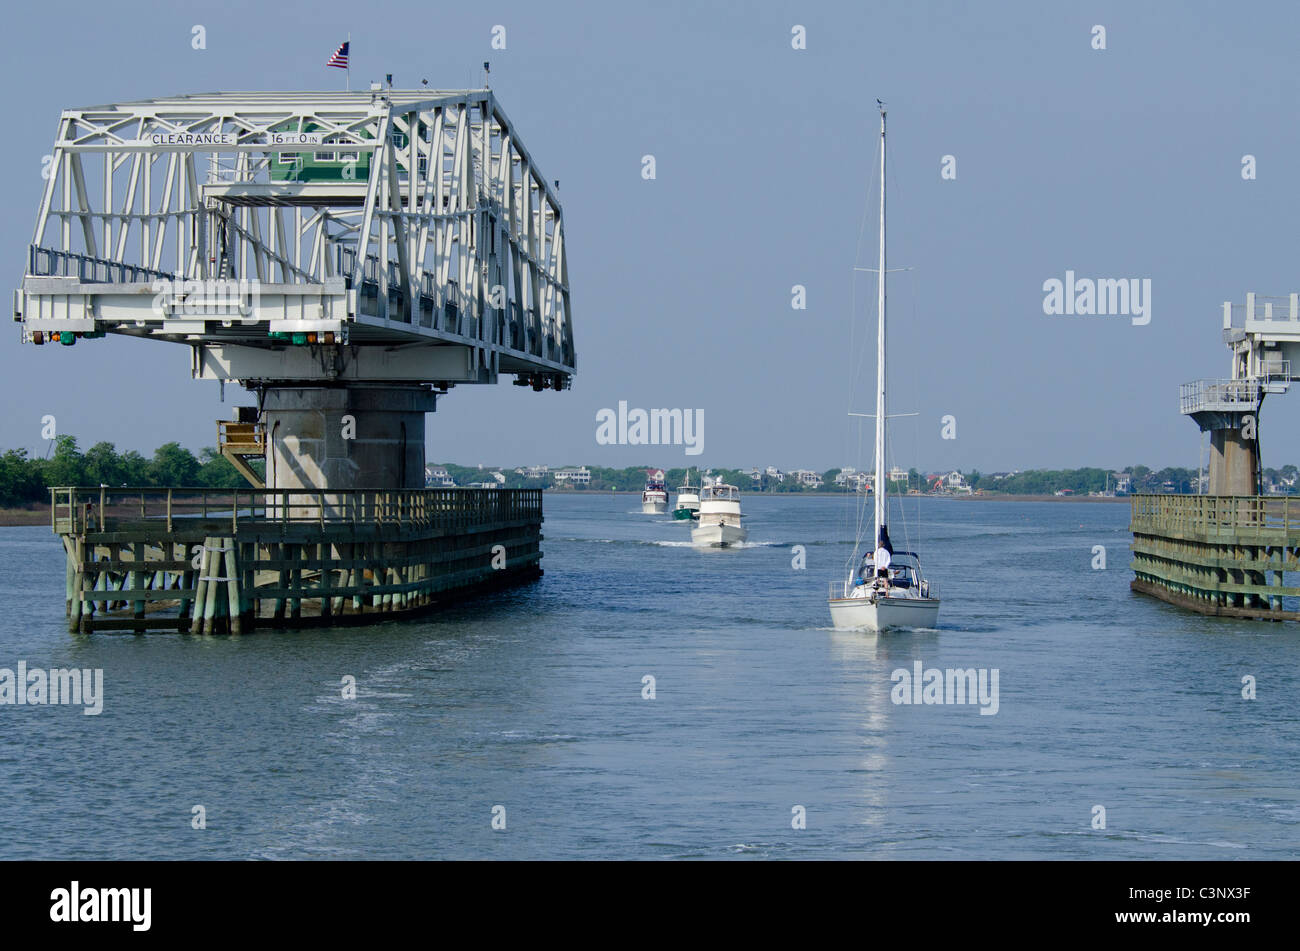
[(887, 589)]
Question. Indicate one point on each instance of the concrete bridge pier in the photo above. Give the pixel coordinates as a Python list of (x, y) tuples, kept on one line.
[(353, 436), (1234, 462)]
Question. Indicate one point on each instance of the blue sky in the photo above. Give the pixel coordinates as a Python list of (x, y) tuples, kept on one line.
[(1118, 163)]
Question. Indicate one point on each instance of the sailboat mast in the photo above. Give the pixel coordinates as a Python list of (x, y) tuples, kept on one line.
[(880, 512)]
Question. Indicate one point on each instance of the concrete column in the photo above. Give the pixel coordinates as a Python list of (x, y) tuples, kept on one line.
[(346, 437), (1234, 463)]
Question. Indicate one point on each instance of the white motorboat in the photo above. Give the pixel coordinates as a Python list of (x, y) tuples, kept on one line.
[(718, 525), (654, 498), (687, 505), (887, 589)]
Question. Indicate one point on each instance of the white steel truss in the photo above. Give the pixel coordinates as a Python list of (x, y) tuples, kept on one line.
[(410, 221)]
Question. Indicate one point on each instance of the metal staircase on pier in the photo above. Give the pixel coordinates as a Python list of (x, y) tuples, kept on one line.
[(242, 441)]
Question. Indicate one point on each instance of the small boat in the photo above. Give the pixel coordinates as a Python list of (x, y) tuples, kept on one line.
[(887, 589), (654, 499), (718, 525), (688, 500)]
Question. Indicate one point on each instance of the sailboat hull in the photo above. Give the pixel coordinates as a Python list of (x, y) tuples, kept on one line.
[(864, 614)]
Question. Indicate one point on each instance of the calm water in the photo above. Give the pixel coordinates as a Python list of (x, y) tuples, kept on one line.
[(533, 701)]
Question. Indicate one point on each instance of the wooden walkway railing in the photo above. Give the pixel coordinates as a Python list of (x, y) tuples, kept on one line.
[(1219, 515), (78, 510)]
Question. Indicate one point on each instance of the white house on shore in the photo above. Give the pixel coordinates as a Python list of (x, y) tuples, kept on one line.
[(850, 477), (437, 477), (806, 477), (533, 472), (953, 483), (578, 476), (771, 473)]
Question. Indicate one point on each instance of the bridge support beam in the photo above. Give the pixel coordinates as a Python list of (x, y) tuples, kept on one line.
[(1234, 448), (1234, 463), (345, 437)]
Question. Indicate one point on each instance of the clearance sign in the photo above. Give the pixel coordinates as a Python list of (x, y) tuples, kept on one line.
[(209, 140), (190, 138)]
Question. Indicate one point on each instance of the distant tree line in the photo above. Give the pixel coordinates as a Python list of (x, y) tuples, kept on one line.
[(632, 479), (24, 479), (1081, 481), (1048, 482)]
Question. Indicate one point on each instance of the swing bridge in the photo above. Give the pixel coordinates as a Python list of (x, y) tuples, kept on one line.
[(347, 257)]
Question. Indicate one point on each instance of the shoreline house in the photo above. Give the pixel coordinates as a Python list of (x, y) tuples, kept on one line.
[(806, 477), (533, 472), (849, 477), (951, 483), (437, 477), (496, 480), (579, 476), (761, 477)]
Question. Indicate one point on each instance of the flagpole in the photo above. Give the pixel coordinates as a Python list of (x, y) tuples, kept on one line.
[(349, 69)]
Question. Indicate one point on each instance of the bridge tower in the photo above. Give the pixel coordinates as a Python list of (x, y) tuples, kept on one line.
[(345, 256), (1264, 338)]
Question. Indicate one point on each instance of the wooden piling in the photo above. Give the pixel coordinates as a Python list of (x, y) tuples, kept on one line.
[(232, 588), (78, 585), (212, 554)]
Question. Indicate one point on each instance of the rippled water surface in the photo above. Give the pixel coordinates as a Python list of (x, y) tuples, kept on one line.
[(533, 701)]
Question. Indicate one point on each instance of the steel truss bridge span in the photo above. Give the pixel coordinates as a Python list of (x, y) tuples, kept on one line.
[(388, 236)]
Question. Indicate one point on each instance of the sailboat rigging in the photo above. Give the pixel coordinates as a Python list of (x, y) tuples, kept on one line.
[(887, 589)]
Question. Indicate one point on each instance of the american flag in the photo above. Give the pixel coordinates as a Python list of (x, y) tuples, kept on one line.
[(340, 57)]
